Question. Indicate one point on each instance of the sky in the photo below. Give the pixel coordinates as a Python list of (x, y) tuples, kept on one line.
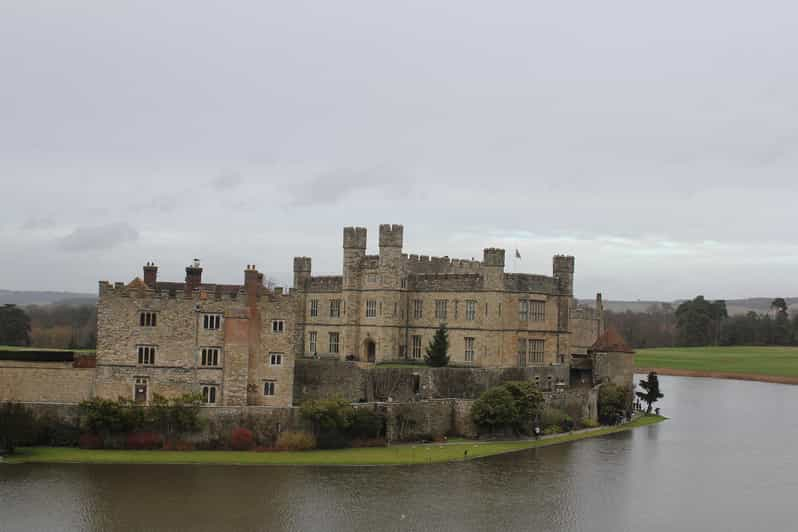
[(655, 141)]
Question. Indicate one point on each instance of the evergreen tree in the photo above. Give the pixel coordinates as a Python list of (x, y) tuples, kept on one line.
[(651, 393), (14, 326), (438, 350)]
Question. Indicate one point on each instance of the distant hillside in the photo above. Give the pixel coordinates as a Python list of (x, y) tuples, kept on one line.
[(30, 297), (759, 305)]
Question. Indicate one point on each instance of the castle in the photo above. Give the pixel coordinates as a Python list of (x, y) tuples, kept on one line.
[(244, 345)]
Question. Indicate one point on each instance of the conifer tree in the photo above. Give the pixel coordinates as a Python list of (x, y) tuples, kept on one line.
[(651, 393), (438, 350)]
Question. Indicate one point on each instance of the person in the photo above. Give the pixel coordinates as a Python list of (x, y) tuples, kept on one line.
[(537, 432)]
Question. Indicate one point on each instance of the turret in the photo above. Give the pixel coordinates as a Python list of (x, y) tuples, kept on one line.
[(354, 251), (193, 276), (493, 267), (150, 274), (563, 269), (391, 252), (301, 272)]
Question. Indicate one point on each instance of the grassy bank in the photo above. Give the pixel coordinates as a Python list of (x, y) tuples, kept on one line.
[(395, 455), (776, 362), (18, 348)]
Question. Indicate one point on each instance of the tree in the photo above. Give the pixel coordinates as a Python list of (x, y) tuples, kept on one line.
[(437, 352), (529, 401), (14, 326), (495, 408), (611, 403), (650, 393), (16, 425)]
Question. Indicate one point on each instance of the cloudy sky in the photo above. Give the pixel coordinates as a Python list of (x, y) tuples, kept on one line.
[(656, 141)]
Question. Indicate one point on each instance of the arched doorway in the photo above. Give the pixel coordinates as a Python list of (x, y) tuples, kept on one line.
[(371, 350)]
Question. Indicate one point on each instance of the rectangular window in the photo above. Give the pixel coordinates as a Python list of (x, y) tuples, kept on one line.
[(418, 309), (471, 310), (440, 309), (335, 308), (416, 347), (333, 342), (209, 393), (537, 310), (536, 351), (314, 307), (523, 310), (278, 326), (140, 390), (312, 337), (371, 308), (147, 319), (269, 387), (403, 283), (275, 359), (146, 354), (469, 349), (209, 356), (211, 321)]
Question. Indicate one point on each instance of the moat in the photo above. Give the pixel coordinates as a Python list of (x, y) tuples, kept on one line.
[(722, 462)]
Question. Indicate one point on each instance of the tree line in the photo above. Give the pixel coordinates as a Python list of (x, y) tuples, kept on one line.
[(701, 322), (50, 326)]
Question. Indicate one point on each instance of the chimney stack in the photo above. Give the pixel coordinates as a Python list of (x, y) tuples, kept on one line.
[(150, 274), (193, 276)]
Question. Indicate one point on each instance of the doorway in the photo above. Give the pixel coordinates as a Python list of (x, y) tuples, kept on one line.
[(371, 350)]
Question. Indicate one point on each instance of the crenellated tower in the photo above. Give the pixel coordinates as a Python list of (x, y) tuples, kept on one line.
[(493, 268)]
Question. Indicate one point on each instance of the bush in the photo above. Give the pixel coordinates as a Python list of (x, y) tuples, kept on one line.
[(331, 420), (52, 431), (241, 439), (366, 424), (143, 440), (611, 403), (178, 445), (295, 441), (589, 423), (333, 439), (554, 417), (495, 408), (90, 441), (16, 426), (553, 429)]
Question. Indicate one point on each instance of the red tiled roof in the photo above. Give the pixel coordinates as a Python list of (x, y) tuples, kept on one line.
[(611, 342)]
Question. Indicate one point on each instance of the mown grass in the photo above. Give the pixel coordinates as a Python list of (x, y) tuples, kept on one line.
[(18, 348), (395, 455), (772, 361)]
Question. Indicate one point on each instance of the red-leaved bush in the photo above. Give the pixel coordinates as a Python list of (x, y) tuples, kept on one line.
[(241, 439), (90, 441), (144, 440)]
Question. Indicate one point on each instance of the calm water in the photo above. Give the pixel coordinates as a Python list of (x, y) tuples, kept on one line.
[(725, 461)]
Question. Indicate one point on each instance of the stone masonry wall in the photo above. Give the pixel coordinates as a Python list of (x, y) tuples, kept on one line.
[(45, 382)]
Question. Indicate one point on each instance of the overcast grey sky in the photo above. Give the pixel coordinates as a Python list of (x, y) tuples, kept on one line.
[(656, 141)]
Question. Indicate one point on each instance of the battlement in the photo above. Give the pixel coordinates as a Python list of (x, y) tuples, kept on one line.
[(427, 264), (493, 257), (302, 264), (563, 264), (172, 291), (526, 282), (355, 238), (445, 282), (327, 283), (391, 235)]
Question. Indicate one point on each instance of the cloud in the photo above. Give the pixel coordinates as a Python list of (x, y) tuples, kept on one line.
[(227, 181), (36, 224), (330, 187), (100, 237)]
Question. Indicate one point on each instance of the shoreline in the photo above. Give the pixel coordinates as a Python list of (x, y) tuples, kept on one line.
[(404, 454), (754, 377)]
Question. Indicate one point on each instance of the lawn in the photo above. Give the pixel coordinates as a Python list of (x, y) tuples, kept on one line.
[(769, 361), (18, 348), (395, 455)]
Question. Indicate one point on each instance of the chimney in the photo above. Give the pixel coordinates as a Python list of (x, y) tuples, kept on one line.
[(150, 274), (193, 276)]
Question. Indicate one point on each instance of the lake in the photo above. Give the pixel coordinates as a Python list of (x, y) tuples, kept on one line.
[(726, 460)]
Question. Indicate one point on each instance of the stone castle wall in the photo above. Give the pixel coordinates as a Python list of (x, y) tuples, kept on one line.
[(45, 382)]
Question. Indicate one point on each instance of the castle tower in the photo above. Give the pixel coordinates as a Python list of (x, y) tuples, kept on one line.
[(301, 272), (493, 268), (150, 274), (563, 269), (391, 237), (354, 251)]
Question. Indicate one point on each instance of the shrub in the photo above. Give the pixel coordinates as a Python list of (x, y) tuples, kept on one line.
[(366, 424), (143, 440), (241, 439), (588, 423), (552, 429), (529, 401), (554, 417), (295, 441), (611, 402), (331, 420), (495, 408), (16, 425), (90, 441), (53, 432), (332, 439)]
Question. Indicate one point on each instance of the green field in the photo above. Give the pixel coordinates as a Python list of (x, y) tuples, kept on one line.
[(395, 455), (769, 361)]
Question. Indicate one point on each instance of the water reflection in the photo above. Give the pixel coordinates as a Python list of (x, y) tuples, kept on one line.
[(724, 461)]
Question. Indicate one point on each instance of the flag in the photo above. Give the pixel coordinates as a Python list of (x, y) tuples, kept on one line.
[(517, 254)]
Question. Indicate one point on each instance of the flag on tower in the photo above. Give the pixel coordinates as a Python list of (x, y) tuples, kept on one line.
[(517, 254)]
